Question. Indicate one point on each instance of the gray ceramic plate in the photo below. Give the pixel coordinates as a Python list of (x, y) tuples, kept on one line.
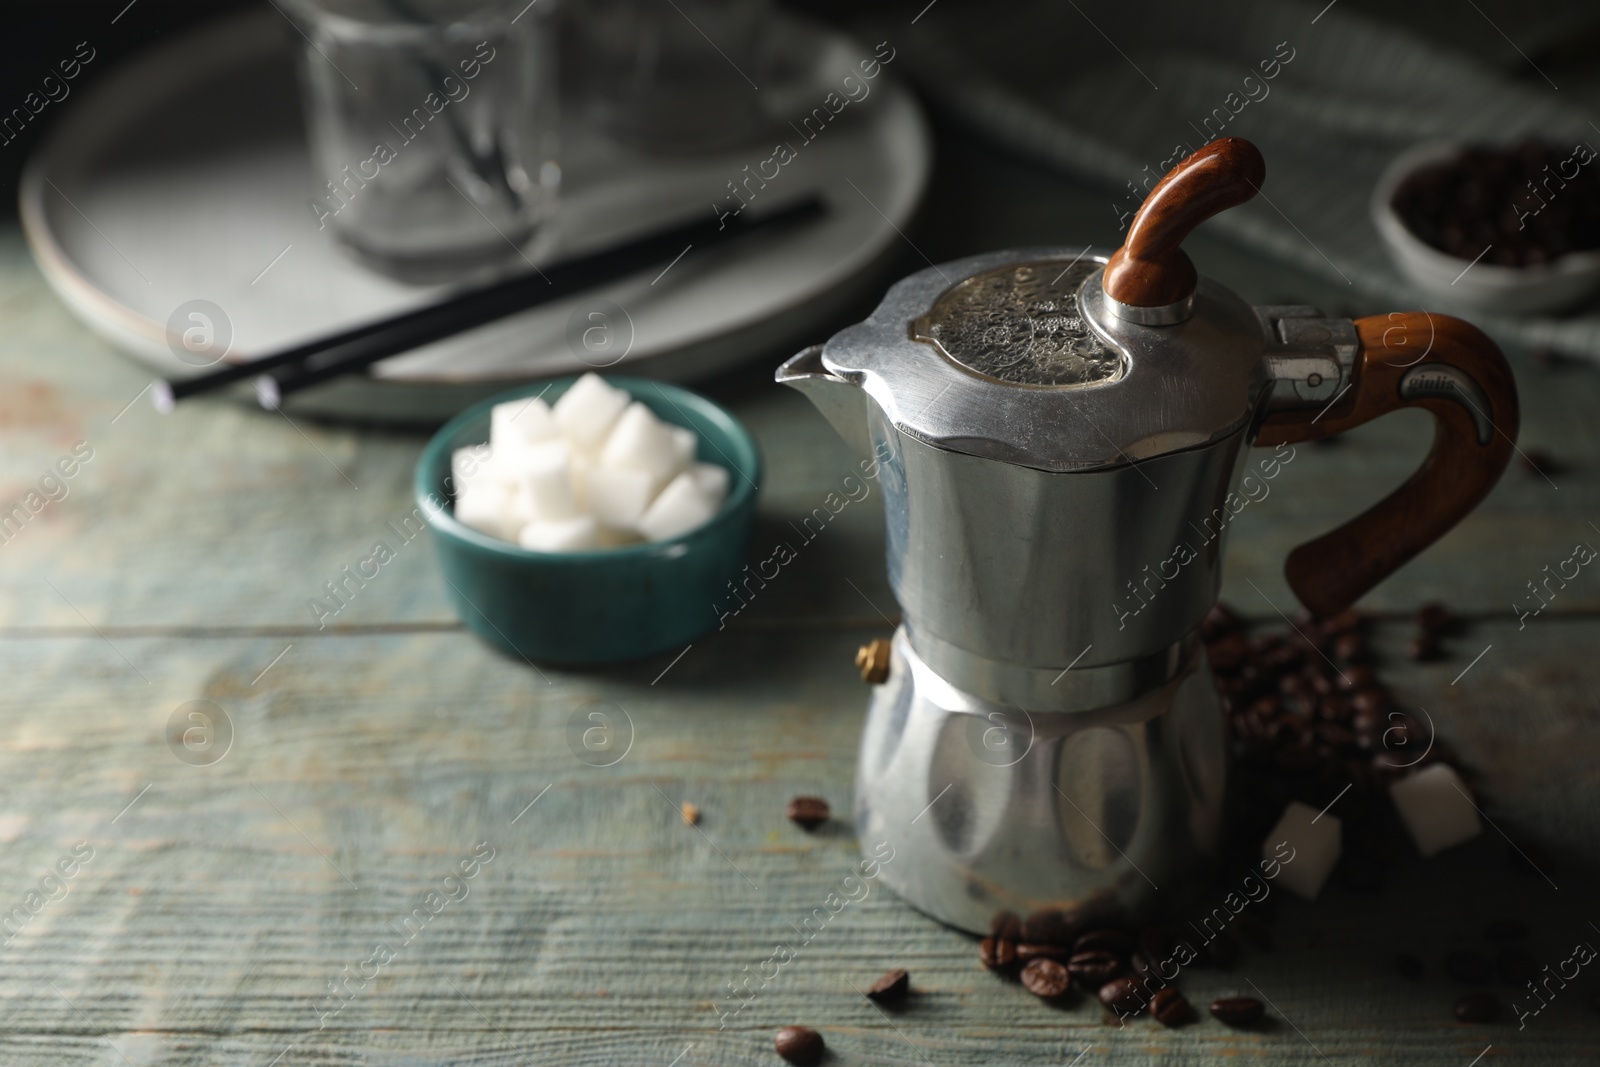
[(184, 176)]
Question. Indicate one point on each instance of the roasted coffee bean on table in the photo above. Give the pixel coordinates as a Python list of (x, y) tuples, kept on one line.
[(1470, 967), (1238, 1011), (1027, 950), (891, 988), (1478, 1008), (1171, 1008), (1046, 979), (799, 1044), (808, 812), (1125, 995), (1116, 941), (997, 954), (1094, 968)]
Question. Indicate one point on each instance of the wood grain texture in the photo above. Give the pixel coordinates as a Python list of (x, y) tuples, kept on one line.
[(1474, 405), (1151, 268), (604, 931)]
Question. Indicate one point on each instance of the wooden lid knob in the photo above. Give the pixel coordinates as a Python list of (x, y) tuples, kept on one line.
[(1150, 269)]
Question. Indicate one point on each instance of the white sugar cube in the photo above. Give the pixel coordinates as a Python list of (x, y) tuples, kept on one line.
[(680, 507), (712, 479), (640, 441), (685, 445), (587, 411), (544, 481), (560, 535), (618, 496), (1436, 807), (520, 423), (466, 464), (1316, 843), (488, 508)]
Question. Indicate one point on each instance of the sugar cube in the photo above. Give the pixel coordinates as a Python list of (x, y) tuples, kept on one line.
[(587, 411), (712, 479), (467, 463), (1315, 841), (520, 423), (618, 496), (544, 481), (640, 441), (679, 508), (488, 509), (685, 445), (1436, 808), (560, 535)]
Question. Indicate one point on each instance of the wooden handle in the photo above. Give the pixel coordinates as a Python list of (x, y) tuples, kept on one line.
[(1412, 359), (1150, 269)]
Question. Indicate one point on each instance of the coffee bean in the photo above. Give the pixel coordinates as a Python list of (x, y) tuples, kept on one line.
[(1433, 618), (799, 1044), (808, 812), (1218, 621), (1506, 930), (1408, 966), (1373, 701), (997, 954), (1478, 1008), (1046, 979), (891, 988), (1051, 926), (1350, 648), (1227, 654), (1471, 967), (1171, 1008), (1005, 924), (1516, 966), (1125, 995), (1238, 1011), (1115, 941), (1424, 649), (1027, 950), (1094, 968)]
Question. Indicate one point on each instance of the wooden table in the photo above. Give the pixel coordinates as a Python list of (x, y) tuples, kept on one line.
[(211, 907)]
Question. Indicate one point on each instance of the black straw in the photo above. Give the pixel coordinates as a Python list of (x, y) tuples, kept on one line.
[(360, 346)]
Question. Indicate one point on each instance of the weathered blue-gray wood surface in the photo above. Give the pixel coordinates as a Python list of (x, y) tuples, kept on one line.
[(370, 757)]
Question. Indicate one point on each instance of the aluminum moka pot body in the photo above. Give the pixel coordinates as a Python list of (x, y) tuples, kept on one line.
[(1048, 741), (1060, 437)]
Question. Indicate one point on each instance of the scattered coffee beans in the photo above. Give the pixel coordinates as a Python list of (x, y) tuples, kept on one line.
[(808, 812), (1095, 968), (1478, 1008), (997, 954), (1125, 996), (1238, 1011), (1114, 941), (1046, 978), (799, 1044), (1171, 1008), (891, 988), (1027, 950)]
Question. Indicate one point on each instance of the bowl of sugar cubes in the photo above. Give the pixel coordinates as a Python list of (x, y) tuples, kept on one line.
[(591, 519)]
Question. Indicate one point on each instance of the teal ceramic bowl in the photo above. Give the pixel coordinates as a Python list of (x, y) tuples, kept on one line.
[(606, 604)]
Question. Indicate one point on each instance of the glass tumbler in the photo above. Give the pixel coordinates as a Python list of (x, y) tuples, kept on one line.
[(433, 130), (671, 75)]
